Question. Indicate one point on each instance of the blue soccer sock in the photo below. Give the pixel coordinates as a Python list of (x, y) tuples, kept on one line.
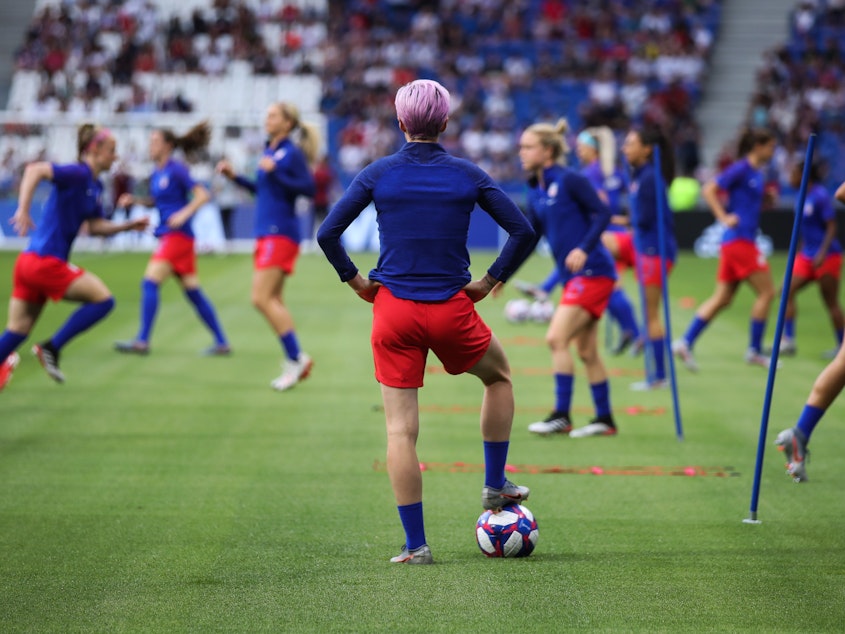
[(810, 417), (601, 398), (291, 345), (206, 312), (758, 328), (495, 458), (789, 329), (659, 359), (839, 334), (563, 392), (81, 320), (149, 309), (9, 342), (412, 521), (696, 327), (622, 311), (551, 281)]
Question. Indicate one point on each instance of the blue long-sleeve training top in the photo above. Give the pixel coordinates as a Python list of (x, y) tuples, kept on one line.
[(423, 198), (76, 197), (643, 200), (744, 184), (276, 191), (170, 188), (568, 212)]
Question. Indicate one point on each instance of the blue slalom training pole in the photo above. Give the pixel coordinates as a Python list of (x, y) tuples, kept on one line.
[(647, 351), (773, 362), (660, 188)]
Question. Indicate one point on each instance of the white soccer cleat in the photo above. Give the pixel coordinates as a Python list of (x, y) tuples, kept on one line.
[(293, 372), (753, 357), (681, 349)]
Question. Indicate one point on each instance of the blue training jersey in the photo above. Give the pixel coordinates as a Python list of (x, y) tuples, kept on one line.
[(424, 198), (744, 184), (276, 191), (76, 197), (170, 188), (612, 186), (644, 216), (818, 211), (568, 212)]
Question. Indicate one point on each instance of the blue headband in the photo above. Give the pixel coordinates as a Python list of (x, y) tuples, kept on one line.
[(588, 139)]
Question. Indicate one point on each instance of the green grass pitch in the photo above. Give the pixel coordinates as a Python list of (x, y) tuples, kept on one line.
[(177, 493)]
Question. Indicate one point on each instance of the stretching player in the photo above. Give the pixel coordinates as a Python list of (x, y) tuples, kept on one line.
[(42, 271), (177, 197), (820, 259), (283, 174), (740, 260), (639, 152), (423, 296), (565, 208)]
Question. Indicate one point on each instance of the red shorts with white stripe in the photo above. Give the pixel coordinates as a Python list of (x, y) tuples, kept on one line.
[(405, 330), (831, 265), (38, 278), (650, 271), (590, 293), (177, 250), (276, 252), (739, 260)]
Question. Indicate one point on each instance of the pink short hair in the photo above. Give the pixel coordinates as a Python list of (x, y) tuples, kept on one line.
[(423, 106)]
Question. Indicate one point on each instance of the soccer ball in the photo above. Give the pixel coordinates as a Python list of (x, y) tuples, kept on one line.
[(517, 310), (512, 532), (541, 311)]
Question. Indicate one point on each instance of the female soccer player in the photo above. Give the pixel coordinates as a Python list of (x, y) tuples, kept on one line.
[(177, 197), (565, 208), (639, 152), (283, 174), (820, 259), (423, 296), (794, 441), (740, 260), (596, 150), (42, 271)]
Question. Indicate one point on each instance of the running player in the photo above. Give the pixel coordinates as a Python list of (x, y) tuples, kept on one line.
[(283, 174), (42, 271), (423, 296), (565, 208), (820, 259), (794, 441), (639, 152), (740, 260), (177, 197)]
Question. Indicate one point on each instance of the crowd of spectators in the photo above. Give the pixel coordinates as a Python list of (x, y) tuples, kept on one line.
[(800, 89), (86, 49), (510, 62)]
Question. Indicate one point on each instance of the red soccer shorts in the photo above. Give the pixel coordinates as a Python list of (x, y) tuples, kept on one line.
[(624, 250), (590, 293), (404, 331), (177, 250), (739, 260), (39, 278), (649, 271), (276, 252), (803, 267)]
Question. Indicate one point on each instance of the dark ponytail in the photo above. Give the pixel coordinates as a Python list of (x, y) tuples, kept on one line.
[(751, 138), (652, 136), (192, 141)]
